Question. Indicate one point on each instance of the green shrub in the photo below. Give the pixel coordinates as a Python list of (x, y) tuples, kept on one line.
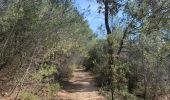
[(26, 95), (54, 87), (64, 73), (51, 89), (44, 72), (128, 96)]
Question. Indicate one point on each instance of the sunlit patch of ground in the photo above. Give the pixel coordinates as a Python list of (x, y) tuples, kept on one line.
[(80, 87)]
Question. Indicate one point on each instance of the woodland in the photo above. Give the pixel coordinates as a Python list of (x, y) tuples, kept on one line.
[(42, 42)]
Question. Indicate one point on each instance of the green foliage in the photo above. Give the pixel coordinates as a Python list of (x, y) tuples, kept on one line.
[(143, 62), (25, 95), (54, 87), (45, 71), (41, 40), (51, 89), (128, 96)]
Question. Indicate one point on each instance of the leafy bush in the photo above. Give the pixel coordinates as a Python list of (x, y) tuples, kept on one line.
[(128, 96), (26, 95), (54, 87), (51, 89), (45, 71)]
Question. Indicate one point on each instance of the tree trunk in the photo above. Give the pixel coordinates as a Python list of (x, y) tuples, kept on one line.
[(110, 48)]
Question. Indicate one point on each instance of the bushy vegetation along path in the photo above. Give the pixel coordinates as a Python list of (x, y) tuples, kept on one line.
[(80, 87)]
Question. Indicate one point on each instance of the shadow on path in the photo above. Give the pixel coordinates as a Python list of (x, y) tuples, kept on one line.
[(80, 87)]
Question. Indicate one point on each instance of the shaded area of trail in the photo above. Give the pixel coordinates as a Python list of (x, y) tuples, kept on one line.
[(80, 87)]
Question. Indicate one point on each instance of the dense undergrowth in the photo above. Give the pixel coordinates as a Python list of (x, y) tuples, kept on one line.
[(41, 41), (133, 61)]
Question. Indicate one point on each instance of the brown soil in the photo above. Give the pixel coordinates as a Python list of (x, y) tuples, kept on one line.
[(80, 87)]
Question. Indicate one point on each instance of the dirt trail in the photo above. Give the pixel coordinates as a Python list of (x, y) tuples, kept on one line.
[(80, 87)]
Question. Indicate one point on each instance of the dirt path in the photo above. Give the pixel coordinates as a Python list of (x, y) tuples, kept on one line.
[(80, 87)]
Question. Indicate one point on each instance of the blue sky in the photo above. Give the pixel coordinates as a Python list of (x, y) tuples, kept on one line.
[(95, 19), (90, 7)]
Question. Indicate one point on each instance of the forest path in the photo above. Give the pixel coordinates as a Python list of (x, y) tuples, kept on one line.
[(80, 87)]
